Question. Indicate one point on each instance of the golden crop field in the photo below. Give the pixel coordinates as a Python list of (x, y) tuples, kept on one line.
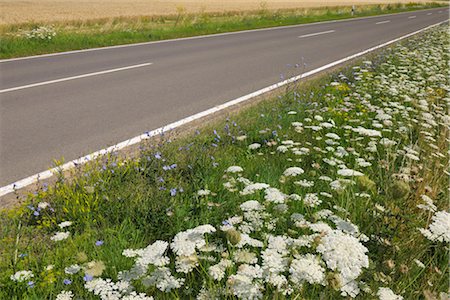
[(17, 11)]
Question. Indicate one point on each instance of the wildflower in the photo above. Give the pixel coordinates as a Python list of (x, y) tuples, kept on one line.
[(387, 294), (22, 276), (343, 253), (293, 171), (43, 205), (218, 271), (87, 277), (234, 169), (245, 256), (307, 268), (439, 229), (95, 268), (59, 236), (73, 269), (349, 173), (274, 195), (252, 188), (429, 205), (367, 132), (163, 280), (251, 205), (254, 146), (185, 264), (65, 295), (185, 242), (203, 192), (67, 281), (312, 200)]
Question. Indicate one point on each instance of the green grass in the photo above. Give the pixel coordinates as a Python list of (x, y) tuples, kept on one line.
[(108, 32), (127, 203)]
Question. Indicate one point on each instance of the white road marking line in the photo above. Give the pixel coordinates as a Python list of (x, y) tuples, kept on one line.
[(195, 37), (69, 165), (71, 78), (412, 17), (382, 22), (429, 14), (317, 33)]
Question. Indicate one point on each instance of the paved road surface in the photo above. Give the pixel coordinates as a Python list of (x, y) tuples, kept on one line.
[(73, 104)]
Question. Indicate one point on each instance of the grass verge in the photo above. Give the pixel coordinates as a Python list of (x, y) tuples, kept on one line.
[(338, 187), (40, 38)]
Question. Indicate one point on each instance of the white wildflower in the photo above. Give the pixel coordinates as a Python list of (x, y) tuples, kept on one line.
[(65, 224), (21, 276), (64, 295), (59, 236), (274, 195), (343, 253), (439, 229), (312, 200), (73, 269), (387, 294), (185, 242), (252, 188), (203, 192), (217, 271), (254, 146), (349, 173), (307, 268), (293, 171), (234, 169)]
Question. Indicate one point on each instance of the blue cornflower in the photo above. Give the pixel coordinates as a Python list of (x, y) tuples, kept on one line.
[(158, 155), (99, 243), (173, 192), (67, 281), (87, 277), (30, 284)]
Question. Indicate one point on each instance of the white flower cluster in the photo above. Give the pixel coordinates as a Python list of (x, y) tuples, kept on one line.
[(345, 254), (60, 236), (439, 229), (106, 289), (41, 33), (21, 276)]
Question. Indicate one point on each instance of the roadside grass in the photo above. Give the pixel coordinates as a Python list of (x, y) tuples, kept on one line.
[(386, 118), (39, 38)]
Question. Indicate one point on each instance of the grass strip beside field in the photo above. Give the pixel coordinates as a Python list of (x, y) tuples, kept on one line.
[(40, 38), (337, 187)]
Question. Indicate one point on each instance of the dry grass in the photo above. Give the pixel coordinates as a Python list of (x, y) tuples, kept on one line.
[(47, 11)]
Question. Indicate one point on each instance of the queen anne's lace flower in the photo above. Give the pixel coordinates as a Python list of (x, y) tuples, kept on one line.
[(343, 253), (185, 242), (439, 229), (21, 276), (307, 268), (293, 171), (60, 236), (64, 295), (387, 294)]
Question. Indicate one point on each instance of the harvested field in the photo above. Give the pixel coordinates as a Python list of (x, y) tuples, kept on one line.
[(15, 12)]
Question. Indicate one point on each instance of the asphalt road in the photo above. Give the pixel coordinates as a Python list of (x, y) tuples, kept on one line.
[(73, 104)]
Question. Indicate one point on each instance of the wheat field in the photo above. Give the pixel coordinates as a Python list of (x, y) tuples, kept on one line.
[(16, 12)]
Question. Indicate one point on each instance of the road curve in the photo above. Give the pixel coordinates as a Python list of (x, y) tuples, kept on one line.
[(71, 104)]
